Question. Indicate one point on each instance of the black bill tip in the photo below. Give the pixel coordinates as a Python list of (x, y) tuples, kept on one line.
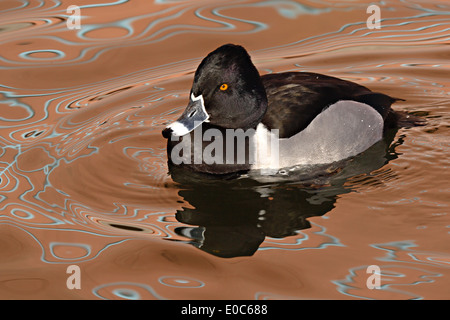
[(167, 133)]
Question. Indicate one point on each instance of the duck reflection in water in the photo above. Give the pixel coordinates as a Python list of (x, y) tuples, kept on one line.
[(232, 217)]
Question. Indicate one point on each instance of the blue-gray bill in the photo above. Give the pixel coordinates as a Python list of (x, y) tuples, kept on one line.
[(194, 115)]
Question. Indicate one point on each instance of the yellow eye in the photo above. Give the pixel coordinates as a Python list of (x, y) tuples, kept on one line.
[(224, 87)]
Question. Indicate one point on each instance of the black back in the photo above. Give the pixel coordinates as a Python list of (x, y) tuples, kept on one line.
[(296, 98)]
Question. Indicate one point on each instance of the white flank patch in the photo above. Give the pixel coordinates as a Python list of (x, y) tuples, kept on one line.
[(343, 130)]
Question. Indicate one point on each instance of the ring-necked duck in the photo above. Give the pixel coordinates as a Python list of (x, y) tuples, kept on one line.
[(312, 118)]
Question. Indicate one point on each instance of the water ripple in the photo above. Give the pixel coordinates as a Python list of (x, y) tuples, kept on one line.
[(83, 166)]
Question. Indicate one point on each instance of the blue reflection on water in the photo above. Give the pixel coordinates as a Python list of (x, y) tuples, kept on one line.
[(405, 269)]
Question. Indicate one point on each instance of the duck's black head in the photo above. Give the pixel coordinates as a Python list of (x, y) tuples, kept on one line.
[(227, 91)]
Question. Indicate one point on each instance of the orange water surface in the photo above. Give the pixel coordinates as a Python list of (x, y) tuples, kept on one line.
[(83, 167)]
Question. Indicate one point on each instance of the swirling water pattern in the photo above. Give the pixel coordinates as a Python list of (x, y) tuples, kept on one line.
[(83, 175)]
